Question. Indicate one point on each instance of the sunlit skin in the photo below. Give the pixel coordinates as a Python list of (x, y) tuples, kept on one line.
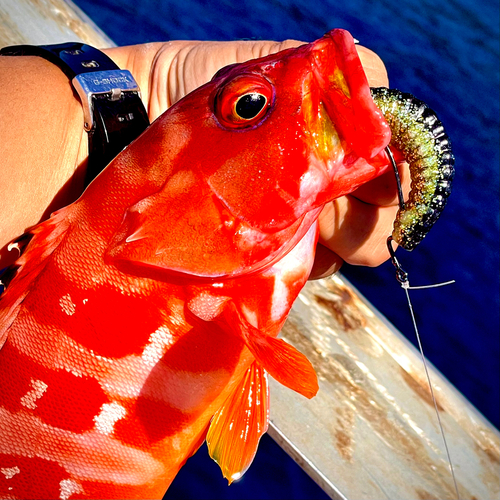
[(153, 303)]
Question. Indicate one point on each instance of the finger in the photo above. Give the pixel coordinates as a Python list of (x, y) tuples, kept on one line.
[(382, 190), (325, 264), (197, 62), (374, 67), (168, 71), (357, 231)]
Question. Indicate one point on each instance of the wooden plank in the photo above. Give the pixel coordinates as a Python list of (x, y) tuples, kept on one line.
[(42, 22), (372, 432)]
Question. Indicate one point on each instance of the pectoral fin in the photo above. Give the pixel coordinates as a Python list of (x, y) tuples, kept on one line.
[(239, 424), (281, 360)]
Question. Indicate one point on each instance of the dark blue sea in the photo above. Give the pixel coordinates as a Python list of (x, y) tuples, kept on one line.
[(445, 53)]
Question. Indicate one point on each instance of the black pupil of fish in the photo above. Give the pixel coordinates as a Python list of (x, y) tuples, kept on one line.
[(250, 105)]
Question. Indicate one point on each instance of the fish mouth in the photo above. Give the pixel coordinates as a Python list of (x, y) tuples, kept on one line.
[(368, 121), (346, 96), (347, 131)]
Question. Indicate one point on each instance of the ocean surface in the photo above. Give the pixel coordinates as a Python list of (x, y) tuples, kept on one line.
[(445, 53)]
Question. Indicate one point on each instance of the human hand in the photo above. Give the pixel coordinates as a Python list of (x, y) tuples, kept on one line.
[(353, 228)]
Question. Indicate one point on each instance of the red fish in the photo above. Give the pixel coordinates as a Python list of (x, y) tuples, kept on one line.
[(142, 319)]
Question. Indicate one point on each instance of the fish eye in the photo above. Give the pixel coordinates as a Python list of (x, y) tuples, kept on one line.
[(243, 102), (248, 106)]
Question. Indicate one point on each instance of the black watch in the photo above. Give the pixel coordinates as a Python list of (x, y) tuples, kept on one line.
[(113, 112)]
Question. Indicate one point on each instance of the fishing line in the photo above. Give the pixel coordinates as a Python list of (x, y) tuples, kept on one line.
[(402, 277)]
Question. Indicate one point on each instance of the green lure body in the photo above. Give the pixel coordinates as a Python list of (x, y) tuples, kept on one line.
[(420, 136)]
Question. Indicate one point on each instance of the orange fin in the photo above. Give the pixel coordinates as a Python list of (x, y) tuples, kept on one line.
[(46, 237), (239, 424), (285, 363)]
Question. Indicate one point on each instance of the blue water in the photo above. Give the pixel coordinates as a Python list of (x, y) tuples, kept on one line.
[(446, 53)]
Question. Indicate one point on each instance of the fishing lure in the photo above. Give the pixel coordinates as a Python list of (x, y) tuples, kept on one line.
[(420, 137), (142, 319)]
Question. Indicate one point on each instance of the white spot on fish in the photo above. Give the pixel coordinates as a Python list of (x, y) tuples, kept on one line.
[(250, 316), (10, 472), (13, 245), (129, 466), (67, 305), (69, 487), (280, 302), (311, 182), (37, 391), (85, 301), (109, 415), (207, 306), (176, 443), (157, 346)]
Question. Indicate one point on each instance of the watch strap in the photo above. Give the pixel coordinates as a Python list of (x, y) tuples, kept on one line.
[(71, 57), (114, 114), (116, 125)]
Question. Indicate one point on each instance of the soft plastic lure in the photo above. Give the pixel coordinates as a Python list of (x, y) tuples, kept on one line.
[(420, 136)]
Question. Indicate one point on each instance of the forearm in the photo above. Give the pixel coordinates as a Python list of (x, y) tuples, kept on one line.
[(41, 141), (43, 145)]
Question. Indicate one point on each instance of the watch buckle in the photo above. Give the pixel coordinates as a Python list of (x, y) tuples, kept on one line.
[(112, 82)]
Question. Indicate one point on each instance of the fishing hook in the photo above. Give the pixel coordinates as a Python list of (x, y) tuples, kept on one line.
[(402, 205), (401, 274)]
